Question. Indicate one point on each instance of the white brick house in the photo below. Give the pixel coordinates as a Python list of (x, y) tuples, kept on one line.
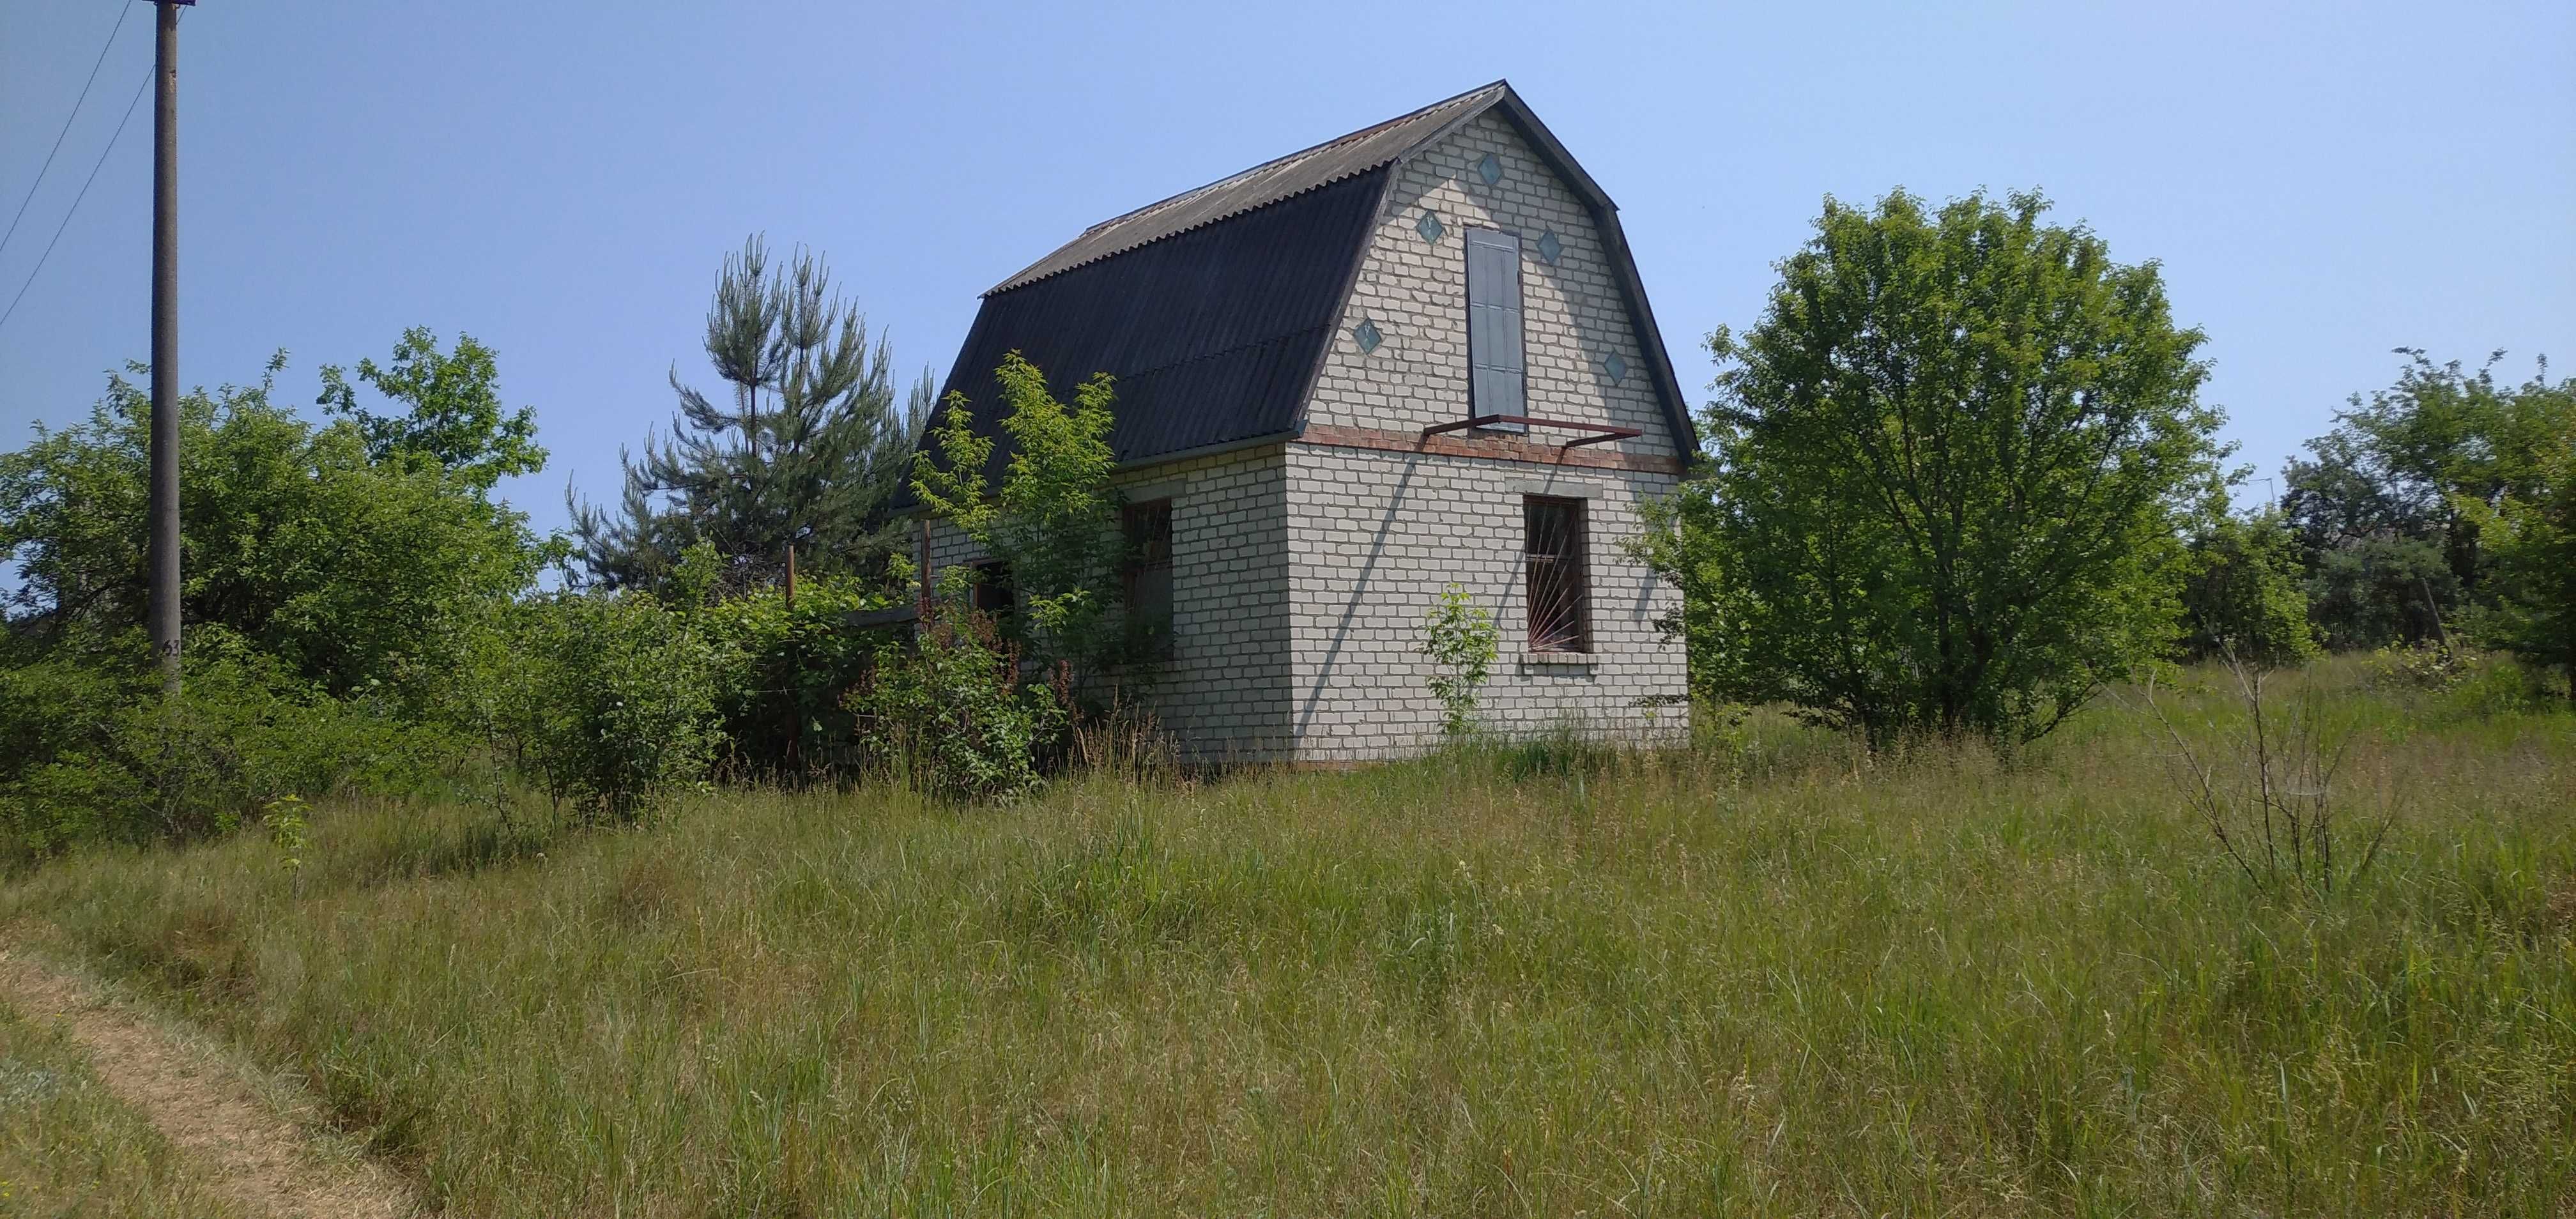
[(1299, 350)]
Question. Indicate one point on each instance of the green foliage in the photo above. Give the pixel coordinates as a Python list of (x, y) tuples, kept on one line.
[(782, 674), (1952, 467), (2392, 506), (2530, 538), (948, 715), (453, 421), (805, 454), (336, 560), (2243, 593), (94, 753), (610, 700), (1054, 516), (1459, 637)]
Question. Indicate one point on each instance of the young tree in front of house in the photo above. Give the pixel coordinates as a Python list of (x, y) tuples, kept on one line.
[(1953, 465), (953, 712), (1053, 516), (800, 458)]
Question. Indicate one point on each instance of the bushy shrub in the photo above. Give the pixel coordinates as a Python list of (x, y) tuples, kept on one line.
[(948, 715), (610, 699), (96, 753), (784, 673)]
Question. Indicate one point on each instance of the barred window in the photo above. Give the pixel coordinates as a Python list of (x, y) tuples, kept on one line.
[(1149, 574), (996, 597), (1558, 588)]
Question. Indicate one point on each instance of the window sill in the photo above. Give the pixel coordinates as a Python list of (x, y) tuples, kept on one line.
[(1583, 660)]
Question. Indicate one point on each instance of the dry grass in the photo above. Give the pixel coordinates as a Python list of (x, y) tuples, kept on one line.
[(68, 1147), (1767, 976)]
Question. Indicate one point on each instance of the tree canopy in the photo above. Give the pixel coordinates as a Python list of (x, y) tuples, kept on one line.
[(337, 548), (803, 453), (1951, 469)]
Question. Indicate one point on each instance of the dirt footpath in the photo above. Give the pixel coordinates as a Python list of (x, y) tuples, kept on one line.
[(249, 1152)]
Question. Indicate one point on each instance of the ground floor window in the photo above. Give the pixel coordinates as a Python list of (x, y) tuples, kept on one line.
[(1557, 587), (1148, 575), (996, 597)]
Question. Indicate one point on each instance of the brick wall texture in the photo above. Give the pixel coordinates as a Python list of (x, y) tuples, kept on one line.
[(1302, 572)]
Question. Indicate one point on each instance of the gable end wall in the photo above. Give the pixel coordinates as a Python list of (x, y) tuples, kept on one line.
[(1380, 521)]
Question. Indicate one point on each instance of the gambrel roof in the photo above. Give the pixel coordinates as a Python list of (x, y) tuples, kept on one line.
[(1214, 309)]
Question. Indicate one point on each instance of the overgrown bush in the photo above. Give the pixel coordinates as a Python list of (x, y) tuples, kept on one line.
[(949, 716), (610, 701), (783, 674), (95, 752)]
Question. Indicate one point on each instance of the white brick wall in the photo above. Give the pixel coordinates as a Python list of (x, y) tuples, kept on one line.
[(1416, 293), (1223, 695), (1374, 536)]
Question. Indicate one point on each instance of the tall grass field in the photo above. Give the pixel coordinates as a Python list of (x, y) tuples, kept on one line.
[(1767, 975)]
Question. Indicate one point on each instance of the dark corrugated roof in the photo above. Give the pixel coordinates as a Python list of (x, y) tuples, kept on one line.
[(1212, 335), (1263, 184), (1213, 309)]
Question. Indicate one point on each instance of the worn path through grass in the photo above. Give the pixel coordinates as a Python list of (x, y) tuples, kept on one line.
[(239, 1152)]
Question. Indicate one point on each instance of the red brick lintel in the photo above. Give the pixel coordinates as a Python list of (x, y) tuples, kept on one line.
[(1489, 448)]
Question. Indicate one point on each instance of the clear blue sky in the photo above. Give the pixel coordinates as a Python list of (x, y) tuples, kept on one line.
[(2321, 183)]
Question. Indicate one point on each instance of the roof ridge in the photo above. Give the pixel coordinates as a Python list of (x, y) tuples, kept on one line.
[(1309, 150), (1103, 243)]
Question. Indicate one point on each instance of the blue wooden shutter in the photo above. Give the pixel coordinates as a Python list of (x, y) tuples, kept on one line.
[(1494, 363)]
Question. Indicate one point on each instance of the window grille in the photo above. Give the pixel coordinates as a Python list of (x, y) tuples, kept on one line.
[(1148, 527), (1558, 588)]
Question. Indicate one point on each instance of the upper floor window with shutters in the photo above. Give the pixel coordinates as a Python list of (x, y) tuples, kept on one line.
[(1497, 371)]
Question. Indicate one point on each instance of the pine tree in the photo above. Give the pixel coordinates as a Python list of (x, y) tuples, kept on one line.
[(795, 470)]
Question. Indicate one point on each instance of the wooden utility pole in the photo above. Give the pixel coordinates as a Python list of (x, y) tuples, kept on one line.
[(162, 600)]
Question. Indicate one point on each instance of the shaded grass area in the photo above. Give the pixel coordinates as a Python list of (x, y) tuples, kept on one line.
[(1768, 975), (68, 1147)]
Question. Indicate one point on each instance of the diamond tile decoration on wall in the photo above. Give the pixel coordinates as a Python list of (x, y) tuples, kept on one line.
[(1429, 227), (1490, 169), (1616, 367), (1549, 247), (1366, 333)]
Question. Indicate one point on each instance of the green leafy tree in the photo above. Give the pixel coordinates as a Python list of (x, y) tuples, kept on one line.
[(2389, 506), (1952, 466), (452, 420), (1053, 518), (2530, 536), (310, 543), (801, 456), (2244, 593)]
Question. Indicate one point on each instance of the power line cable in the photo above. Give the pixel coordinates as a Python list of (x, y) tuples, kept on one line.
[(76, 199), (121, 10)]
